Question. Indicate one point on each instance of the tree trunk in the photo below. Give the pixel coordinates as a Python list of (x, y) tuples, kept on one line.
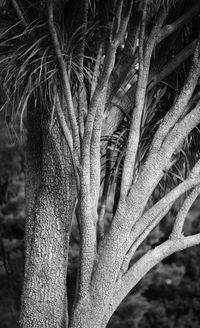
[(49, 214), (87, 314)]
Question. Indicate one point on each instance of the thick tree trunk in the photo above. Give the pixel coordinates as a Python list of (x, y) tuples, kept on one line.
[(49, 214), (87, 314)]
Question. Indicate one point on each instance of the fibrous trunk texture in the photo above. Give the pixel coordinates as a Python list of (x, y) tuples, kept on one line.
[(50, 197)]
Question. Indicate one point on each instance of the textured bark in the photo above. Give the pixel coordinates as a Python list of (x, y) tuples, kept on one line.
[(87, 314), (33, 170), (44, 295)]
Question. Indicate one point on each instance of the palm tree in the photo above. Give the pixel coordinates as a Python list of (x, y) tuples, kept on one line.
[(107, 96)]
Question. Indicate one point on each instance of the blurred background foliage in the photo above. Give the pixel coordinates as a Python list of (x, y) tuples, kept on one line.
[(168, 297)]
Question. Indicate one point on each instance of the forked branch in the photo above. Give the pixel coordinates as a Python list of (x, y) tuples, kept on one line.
[(144, 265), (153, 216), (65, 81), (144, 66), (92, 134)]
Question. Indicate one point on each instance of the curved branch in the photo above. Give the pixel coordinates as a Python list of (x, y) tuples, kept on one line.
[(144, 265), (153, 216), (180, 219)]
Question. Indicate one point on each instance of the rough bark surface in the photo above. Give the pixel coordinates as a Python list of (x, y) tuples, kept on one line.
[(44, 295)]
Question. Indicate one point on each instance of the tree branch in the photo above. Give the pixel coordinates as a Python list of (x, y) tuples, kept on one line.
[(179, 23), (63, 125), (162, 159), (65, 82), (180, 106), (124, 19), (67, 135), (144, 265), (89, 175), (82, 106), (96, 69), (177, 230), (126, 67), (154, 215), (129, 96), (172, 65), (19, 13), (92, 135), (134, 135), (181, 129)]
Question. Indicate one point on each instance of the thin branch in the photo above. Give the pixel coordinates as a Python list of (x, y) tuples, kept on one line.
[(125, 15), (127, 98), (19, 12), (82, 104), (90, 173), (126, 65), (177, 230), (104, 195), (63, 124), (65, 81), (81, 48), (96, 69), (142, 36), (162, 159), (92, 135), (159, 160), (67, 135), (181, 129), (134, 135), (155, 78), (179, 23), (154, 215), (172, 65), (133, 141), (117, 19), (180, 106), (97, 123)]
